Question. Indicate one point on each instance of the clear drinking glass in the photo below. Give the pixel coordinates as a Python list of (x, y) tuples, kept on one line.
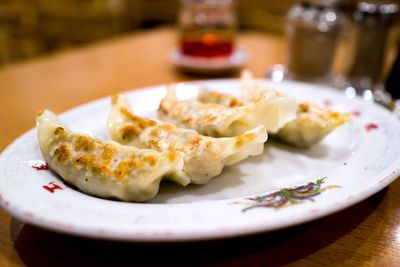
[(207, 28)]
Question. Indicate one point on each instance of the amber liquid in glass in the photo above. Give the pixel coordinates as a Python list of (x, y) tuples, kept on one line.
[(208, 43)]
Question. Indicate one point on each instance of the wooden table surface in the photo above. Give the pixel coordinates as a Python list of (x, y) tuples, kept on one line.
[(367, 234)]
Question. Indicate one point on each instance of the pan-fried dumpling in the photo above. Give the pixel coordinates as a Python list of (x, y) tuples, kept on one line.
[(227, 100), (204, 156), (216, 120), (105, 168), (252, 89), (207, 96), (312, 124)]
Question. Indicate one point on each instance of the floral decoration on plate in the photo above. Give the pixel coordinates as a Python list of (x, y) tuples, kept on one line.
[(289, 196)]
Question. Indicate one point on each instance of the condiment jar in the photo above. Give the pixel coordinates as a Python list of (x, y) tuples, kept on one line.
[(312, 32), (373, 21)]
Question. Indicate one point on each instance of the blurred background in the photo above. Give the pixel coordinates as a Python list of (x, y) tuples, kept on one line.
[(31, 28)]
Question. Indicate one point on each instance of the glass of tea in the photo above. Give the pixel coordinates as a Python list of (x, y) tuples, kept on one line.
[(207, 28)]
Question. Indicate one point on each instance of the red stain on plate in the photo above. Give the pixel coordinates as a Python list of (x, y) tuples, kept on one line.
[(371, 126), (28, 214), (168, 232), (356, 113), (314, 210), (52, 186), (40, 165), (102, 231), (327, 103)]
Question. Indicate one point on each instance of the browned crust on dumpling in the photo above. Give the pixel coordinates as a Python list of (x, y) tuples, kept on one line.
[(193, 143), (244, 139), (108, 153), (208, 118), (99, 168), (129, 131), (179, 109), (151, 160), (164, 107), (167, 127), (114, 99), (84, 143), (206, 96), (98, 158), (309, 112), (136, 127), (312, 124), (154, 132), (126, 165), (154, 144), (303, 107), (84, 160), (172, 156), (59, 130), (63, 153), (142, 122), (96, 165), (234, 102), (90, 161), (39, 113)]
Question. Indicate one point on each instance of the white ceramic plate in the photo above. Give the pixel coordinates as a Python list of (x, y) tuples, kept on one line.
[(357, 160)]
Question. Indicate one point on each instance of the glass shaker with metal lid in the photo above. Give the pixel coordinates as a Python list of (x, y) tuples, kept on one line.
[(373, 21), (312, 31)]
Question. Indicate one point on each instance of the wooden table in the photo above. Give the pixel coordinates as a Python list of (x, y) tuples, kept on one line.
[(367, 234)]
